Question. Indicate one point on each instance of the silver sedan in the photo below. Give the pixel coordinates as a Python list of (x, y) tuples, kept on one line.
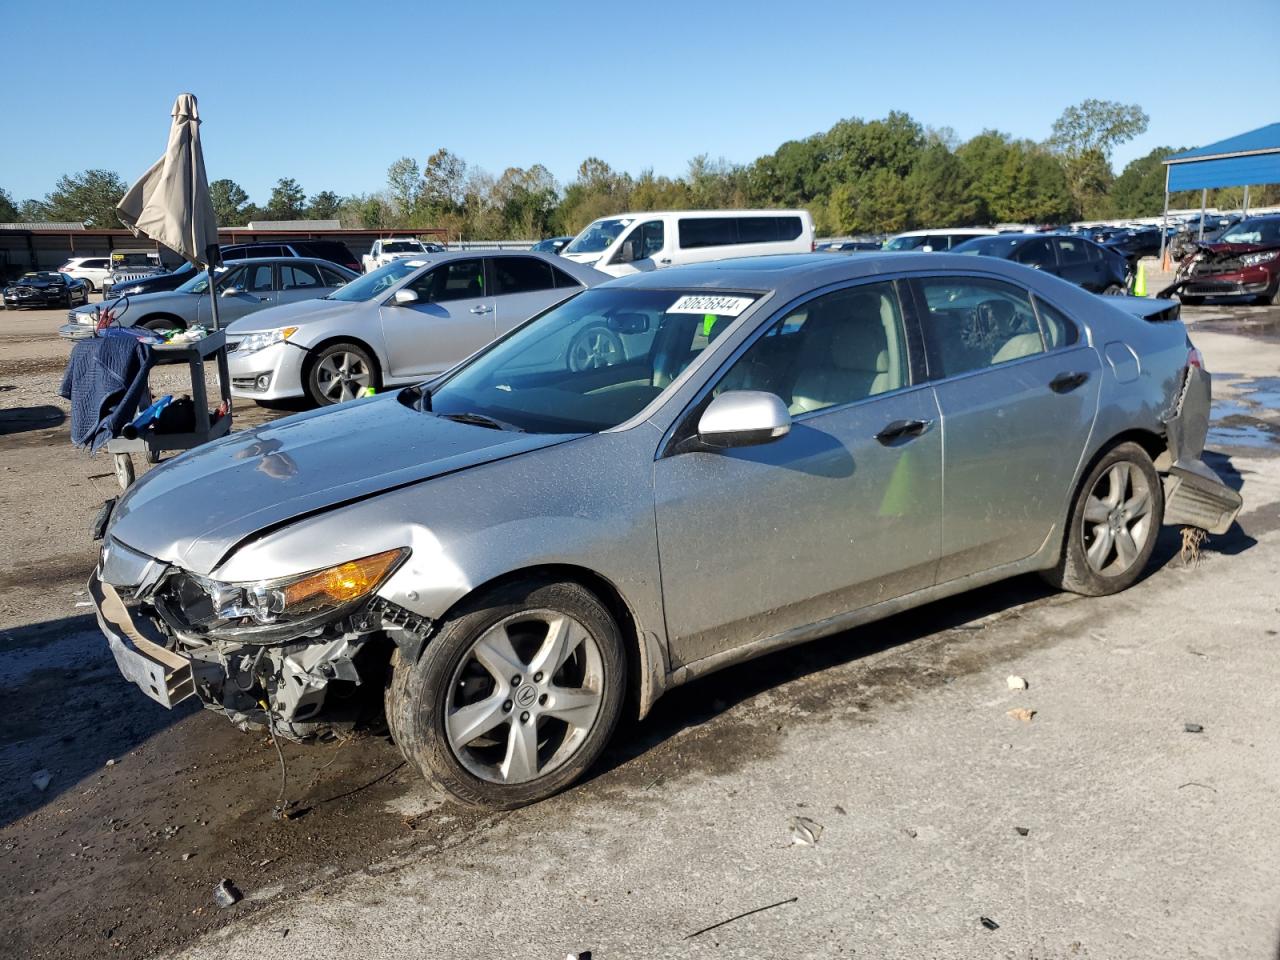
[(778, 449), (410, 319), (244, 287)]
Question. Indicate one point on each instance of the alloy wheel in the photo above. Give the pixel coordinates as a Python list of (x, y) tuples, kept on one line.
[(524, 697), (342, 376), (1117, 519)]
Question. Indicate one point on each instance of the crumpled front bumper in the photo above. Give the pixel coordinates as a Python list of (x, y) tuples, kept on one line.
[(164, 676), (1194, 496)]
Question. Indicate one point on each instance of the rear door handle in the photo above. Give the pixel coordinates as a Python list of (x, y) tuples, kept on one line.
[(482, 309), (1066, 382), (665, 260), (902, 430)]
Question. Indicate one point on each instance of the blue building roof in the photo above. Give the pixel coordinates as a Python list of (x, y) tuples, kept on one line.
[(1247, 158)]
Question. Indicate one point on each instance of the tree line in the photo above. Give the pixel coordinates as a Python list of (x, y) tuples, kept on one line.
[(860, 176)]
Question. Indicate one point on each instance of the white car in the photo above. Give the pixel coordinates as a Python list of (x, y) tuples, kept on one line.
[(95, 271), (408, 321), (934, 241), (384, 251), (639, 242)]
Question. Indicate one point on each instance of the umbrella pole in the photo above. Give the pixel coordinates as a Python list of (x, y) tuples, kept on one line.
[(213, 300)]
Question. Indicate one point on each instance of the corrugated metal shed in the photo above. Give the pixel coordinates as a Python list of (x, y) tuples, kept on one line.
[(1243, 160), (295, 225), (53, 226)]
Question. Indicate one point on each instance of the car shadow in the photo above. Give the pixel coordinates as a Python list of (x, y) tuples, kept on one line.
[(67, 711), (695, 703), (22, 419)]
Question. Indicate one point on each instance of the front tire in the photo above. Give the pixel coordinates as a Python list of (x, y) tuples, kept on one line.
[(1113, 525), (515, 697), (340, 372)]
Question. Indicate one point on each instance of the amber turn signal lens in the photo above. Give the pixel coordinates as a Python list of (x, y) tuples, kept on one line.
[(347, 581)]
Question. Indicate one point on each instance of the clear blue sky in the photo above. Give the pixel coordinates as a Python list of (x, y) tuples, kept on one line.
[(330, 93)]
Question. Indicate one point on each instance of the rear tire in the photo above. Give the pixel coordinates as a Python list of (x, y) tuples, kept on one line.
[(1113, 524), (477, 761)]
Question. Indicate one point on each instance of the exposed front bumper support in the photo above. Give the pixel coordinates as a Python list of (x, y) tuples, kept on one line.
[(164, 676)]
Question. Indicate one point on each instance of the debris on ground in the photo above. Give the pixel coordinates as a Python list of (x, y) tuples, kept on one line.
[(910, 832), (841, 810), (40, 779), (748, 913), (1022, 713), (225, 894), (1193, 539), (1022, 831), (1016, 683), (989, 923), (186, 857), (584, 955), (111, 762), (805, 832), (1193, 728)]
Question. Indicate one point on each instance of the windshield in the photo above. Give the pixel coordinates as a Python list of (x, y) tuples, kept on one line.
[(402, 246), (590, 363), (372, 284), (597, 237), (1261, 230), (989, 246), (200, 282), (910, 242)]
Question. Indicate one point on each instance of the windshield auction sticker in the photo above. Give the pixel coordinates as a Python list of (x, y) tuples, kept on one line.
[(703, 304)]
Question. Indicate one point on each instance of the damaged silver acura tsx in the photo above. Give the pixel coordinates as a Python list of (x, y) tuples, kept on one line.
[(667, 474)]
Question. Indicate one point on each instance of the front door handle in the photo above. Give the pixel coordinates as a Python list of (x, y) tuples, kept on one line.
[(1066, 382), (482, 309), (902, 430), (666, 261)]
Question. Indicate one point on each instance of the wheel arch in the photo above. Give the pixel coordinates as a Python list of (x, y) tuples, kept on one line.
[(329, 341), (646, 664), (161, 315)]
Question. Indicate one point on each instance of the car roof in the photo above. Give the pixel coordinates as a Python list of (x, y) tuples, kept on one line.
[(320, 261), (792, 274)]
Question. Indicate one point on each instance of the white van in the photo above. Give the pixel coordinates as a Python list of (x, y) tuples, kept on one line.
[(636, 242)]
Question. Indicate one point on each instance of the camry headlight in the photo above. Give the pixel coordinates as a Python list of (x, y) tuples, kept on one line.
[(1253, 259), (264, 339), (272, 610)]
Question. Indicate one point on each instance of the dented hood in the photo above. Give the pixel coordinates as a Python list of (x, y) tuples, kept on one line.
[(194, 509)]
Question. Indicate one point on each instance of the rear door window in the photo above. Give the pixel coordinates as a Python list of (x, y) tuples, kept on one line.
[(1035, 253), (972, 323), (1071, 251), (520, 275), (563, 279), (707, 232), (299, 276), (1059, 330), (332, 278)]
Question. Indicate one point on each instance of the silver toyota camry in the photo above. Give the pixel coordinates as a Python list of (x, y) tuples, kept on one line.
[(411, 319), (511, 554)]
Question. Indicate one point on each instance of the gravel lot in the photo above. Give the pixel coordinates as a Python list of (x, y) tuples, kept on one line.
[(1137, 839)]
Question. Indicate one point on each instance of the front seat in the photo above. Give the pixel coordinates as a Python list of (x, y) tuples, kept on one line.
[(845, 356)]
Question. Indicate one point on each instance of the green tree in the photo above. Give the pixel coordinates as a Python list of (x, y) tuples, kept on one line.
[(288, 200), (365, 212), (229, 203), (89, 197), (444, 182), (33, 211), (324, 206), (404, 186), (8, 209), (1139, 190), (1085, 135), (939, 190)]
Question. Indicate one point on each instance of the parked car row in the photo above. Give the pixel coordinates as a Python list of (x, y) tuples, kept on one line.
[(1242, 264), (1073, 258)]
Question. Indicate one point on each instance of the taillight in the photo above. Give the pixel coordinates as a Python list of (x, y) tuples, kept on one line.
[(813, 246), (1194, 359)]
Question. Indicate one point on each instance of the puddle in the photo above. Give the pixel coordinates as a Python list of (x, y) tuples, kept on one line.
[(1265, 328), (1247, 418)]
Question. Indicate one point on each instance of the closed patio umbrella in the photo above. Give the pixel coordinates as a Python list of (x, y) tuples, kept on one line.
[(170, 203)]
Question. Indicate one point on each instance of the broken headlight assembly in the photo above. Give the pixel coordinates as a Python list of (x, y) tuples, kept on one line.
[(1254, 259), (267, 611)]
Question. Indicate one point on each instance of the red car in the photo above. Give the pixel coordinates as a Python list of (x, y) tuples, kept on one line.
[(1244, 263)]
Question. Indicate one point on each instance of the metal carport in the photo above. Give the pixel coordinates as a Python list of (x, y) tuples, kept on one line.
[(1239, 161)]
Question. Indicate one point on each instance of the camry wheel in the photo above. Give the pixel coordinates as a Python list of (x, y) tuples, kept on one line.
[(515, 697), (1113, 524), (593, 348), (340, 372)]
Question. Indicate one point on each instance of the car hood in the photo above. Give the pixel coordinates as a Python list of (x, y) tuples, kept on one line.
[(298, 313), (1237, 249), (195, 509)]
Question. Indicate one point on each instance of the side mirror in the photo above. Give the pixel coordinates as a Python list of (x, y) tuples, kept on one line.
[(743, 418), (404, 297), (627, 253), (232, 291), (927, 248)]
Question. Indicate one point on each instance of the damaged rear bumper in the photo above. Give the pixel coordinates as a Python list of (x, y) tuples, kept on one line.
[(1194, 496)]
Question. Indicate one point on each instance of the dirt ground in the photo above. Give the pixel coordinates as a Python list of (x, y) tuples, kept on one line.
[(1142, 840)]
